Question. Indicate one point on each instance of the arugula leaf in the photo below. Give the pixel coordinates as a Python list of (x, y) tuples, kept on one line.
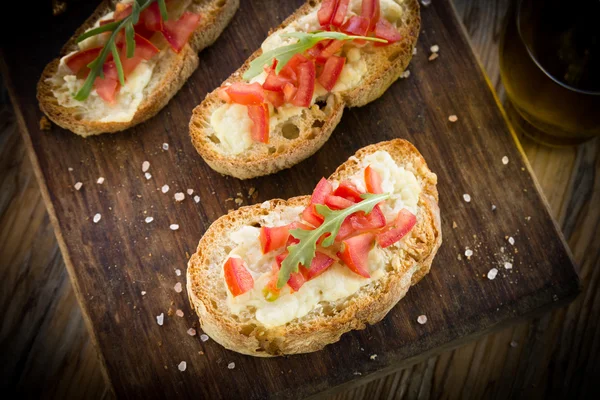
[(306, 40), (304, 252), (163, 10)]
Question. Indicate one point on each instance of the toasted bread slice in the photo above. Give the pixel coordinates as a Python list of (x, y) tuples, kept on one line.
[(408, 263), (169, 74), (297, 138)]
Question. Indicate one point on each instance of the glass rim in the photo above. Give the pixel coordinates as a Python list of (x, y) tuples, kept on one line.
[(540, 66)]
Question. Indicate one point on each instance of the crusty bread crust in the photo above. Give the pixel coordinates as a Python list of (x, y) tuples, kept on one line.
[(385, 65), (169, 75), (317, 329)]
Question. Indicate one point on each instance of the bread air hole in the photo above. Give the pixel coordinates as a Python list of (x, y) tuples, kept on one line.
[(311, 3), (290, 131), (318, 123), (221, 3), (247, 330), (272, 150), (394, 56), (214, 139)]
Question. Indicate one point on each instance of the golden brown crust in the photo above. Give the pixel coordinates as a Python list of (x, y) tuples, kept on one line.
[(385, 65), (314, 331), (169, 75)]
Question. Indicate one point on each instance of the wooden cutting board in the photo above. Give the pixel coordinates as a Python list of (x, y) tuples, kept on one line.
[(124, 270)]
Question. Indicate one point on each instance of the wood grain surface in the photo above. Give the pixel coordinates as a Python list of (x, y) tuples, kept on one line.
[(546, 350)]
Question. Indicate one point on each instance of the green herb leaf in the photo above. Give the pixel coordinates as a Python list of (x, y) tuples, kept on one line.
[(163, 9), (304, 252), (135, 13), (96, 31), (117, 60), (306, 40), (130, 39)]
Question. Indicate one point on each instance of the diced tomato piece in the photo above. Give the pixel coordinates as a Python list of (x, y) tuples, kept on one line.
[(297, 279), (327, 11), (331, 72), (348, 191), (109, 69), (403, 223), (238, 278), (371, 10), (372, 181), (273, 238), (270, 290), (321, 192), (106, 21), (275, 98), (333, 47), (276, 82), (81, 59), (259, 114), (106, 88), (296, 225), (340, 13), (289, 91), (319, 264), (151, 18), (178, 32), (373, 220), (122, 11), (315, 51), (246, 93), (385, 30), (311, 216), (290, 70), (346, 230), (306, 84), (355, 253), (337, 202), (356, 25), (144, 50)]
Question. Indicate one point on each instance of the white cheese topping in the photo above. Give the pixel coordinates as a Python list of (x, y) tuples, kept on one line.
[(335, 283)]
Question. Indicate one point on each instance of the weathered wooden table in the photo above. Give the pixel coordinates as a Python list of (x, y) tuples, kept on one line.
[(47, 347)]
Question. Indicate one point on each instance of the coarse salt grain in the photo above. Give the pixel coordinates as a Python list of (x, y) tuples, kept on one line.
[(191, 332), (508, 265), (373, 356), (504, 160), (177, 287), (422, 319), (182, 366), (178, 272), (405, 74), (514, 344), (173, 227), (190, 191), (145, 166), (511, 240), (435, 48), (414, 51), (100, 180), (494, 207), (231, 365), (78, 185), (147, 175), (492, 273), (70, 169), (143, 292), (179, 196), (97, 218), (453, 118), (179, 313), (197, 199), (467, 198), (204, 337), (165, 146), (149, 219), (468, 252), (160, 319)]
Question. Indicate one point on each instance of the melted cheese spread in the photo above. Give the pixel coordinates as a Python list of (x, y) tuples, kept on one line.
[(338, 281)]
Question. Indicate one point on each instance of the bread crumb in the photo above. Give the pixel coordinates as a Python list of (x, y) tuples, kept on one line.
[(251, 191), (191, 332), (173, 227), (414, 51), (504, 160), (78, 185), (45, 124), (143, 292), (179, 196), (433, 56), (425, 3), (204, 337), (452, 118), (239, 201), (513, 343), (160, 319), (454, 225), (97, 218), (100, 180), (265, 205), (148, 220), (435, 48), (179, 313), (373, 356), (492, 273), (147, 175), (182, 366), (467, 197), (178, 287), (422, 319), (405, 74), (164, 189), (178, 272), (165, 146), (190, 191), (145, 166), (231, 365), (197, 199)]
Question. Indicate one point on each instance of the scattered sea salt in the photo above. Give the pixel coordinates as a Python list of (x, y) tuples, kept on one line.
[(97, 218), (179, 196), (468, 252), (511, 240), (197, 199), (100, 180), (467, 197), (78, 185), (190, 191), (70, 169), (453, 118), (177, 287), (231, 365), (204, 337), (179, 313), (508, 265), (405, 74), (373, 356), (182, 366), (178, 272), (422, 319), (494, 207), (513, 343), (147, 175), (165, 146), (160, 319), (191, 332), (145, 166), (414, 51), (164, 189), (492, 273), (149, 219), (504, 160), (143, 292), (173, 227), (435, 48)]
